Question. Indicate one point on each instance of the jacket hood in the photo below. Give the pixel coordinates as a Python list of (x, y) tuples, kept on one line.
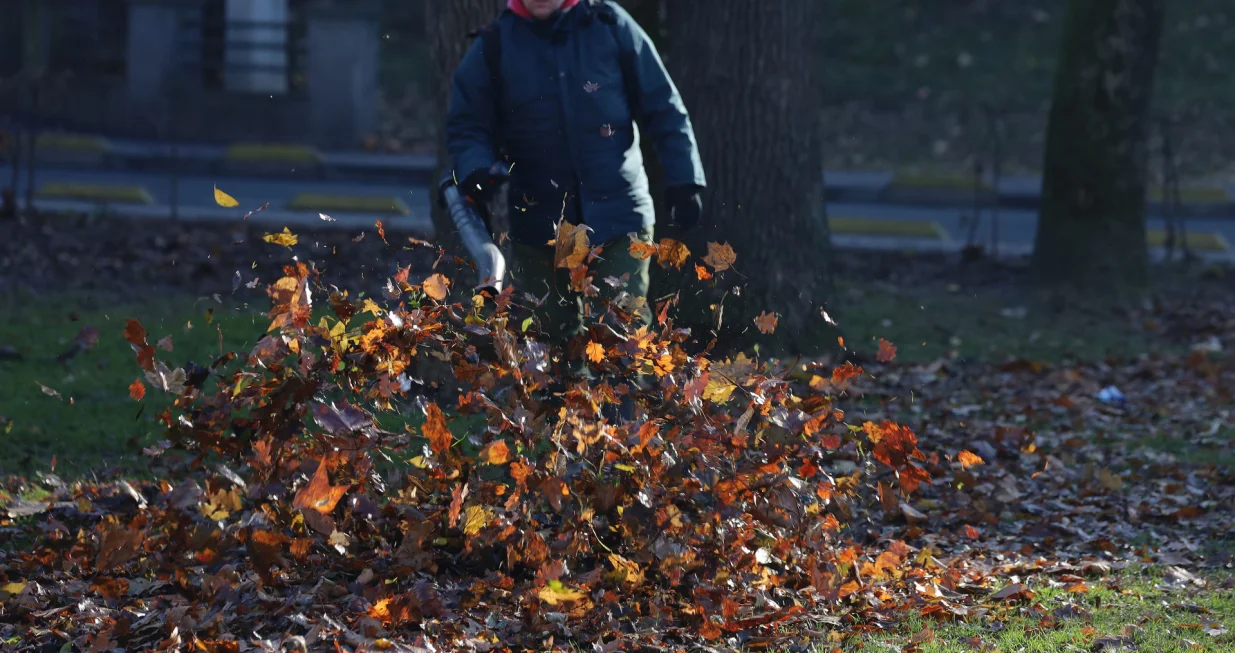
[(521, 11)]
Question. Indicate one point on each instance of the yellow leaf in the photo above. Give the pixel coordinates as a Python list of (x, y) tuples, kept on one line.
[(12, 588), (474, 519), (285, 238), (223, 199), (555, 592), (370, 306), (595, 351), (436, 286), (720, 257)]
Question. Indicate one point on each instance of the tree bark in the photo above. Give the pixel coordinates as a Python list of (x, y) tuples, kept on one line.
[(447, 24), (749, 75), (1091, 227)]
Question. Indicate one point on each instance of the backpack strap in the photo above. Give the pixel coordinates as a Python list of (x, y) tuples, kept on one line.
[(491, 41), (603, 11)]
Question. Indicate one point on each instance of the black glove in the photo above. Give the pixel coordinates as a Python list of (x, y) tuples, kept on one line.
[(685, 206), (483, 183)]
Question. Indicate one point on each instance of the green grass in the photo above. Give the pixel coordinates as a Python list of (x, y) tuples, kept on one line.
[(97, 424), (1145, 606)]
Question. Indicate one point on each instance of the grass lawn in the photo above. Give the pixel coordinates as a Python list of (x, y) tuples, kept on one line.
[(96, 424), (1149, 610)]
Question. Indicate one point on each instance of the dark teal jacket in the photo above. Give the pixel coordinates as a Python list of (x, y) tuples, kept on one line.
[(566, 125)]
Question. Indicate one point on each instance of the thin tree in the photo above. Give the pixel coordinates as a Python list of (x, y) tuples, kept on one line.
[(748, 73), (1091, 227), (447, 25)]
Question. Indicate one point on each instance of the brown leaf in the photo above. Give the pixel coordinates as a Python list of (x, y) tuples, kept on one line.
[(436, 286), (1013, 592), (720, 256), (570, 246), (119, 543), (766, 322), (319, 494)]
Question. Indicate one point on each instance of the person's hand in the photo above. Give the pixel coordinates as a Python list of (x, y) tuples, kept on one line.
[(483, 183), (685, 206)]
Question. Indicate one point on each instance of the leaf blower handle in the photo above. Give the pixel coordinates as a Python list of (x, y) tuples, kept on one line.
[(490, 264)]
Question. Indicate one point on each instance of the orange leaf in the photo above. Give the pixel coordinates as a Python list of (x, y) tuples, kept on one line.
[(570, 246), (381, 231), (720, 257), (319, 494), (436, 286), (137, 390), (887, 351), (435, 430), (671, 252), (766, 322), (702, 273), (971, 532), (840, 340), (968, 458), (496, 453), (595, 351), (640, 249)]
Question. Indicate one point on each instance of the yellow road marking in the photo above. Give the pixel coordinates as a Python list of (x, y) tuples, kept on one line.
[(95, 192)]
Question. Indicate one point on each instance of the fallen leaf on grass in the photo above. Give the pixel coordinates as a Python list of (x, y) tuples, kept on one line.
[(137, 390)]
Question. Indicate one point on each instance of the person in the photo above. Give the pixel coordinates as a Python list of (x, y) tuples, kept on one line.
[(545, 109)]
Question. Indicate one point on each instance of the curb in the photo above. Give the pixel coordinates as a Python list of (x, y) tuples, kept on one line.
[(292, 161)]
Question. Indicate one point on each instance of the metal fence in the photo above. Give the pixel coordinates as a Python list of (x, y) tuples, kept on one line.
[(254, 56)]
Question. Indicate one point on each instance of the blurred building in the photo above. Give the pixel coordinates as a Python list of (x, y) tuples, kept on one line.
[(197, 70)]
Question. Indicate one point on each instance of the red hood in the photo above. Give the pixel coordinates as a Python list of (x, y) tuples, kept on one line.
[(521, 11)]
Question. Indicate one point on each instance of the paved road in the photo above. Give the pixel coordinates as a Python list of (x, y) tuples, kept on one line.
[(857, 224)]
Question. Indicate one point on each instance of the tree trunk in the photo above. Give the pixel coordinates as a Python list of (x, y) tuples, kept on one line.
[(1091, 227), (447, 25), (749, 75)]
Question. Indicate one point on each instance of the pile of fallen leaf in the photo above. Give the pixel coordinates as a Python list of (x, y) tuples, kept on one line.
[(311, 495), (302, 491)]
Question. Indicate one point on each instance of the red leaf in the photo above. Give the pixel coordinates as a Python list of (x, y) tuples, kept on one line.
[(135, 333), (137, 390), (887, 351)]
